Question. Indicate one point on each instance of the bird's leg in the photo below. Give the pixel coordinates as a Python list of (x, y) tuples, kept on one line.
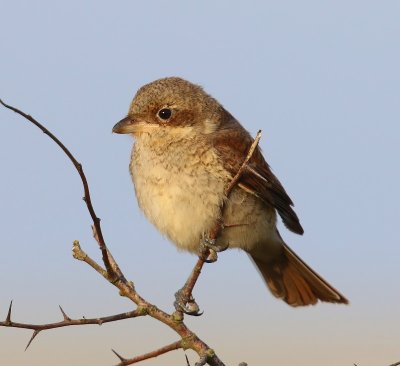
[(184, 301)]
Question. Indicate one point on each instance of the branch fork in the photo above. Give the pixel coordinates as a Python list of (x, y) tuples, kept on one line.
[(113, 274)]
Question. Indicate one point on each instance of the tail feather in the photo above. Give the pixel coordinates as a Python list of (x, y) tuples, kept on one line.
[(293, 281)]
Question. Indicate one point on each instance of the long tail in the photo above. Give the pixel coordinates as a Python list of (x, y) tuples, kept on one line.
[(293, 281)]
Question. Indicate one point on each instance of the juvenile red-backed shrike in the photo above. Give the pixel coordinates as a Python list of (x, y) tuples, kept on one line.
[(187, 149)]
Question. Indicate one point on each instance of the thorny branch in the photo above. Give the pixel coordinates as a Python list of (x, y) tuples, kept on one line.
[(109, 262), (67, 321), (171, 347), (113, 274)]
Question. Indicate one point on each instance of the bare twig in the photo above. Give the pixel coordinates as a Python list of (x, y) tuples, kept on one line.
[(232, 184), (78, 166), (129, 361), (239, 173), (80, 255)]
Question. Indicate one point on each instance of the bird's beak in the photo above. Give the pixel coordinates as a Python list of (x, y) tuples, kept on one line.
[(135, 124), (124, 126)]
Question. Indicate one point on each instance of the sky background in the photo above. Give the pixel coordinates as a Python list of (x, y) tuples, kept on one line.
[(321, 79)]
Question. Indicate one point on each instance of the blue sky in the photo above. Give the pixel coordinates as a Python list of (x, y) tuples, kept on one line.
[(321, 79)]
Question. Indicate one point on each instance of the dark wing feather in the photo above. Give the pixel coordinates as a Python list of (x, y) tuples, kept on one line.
[(232, 142)]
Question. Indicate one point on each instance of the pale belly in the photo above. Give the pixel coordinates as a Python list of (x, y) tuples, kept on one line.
[(183, 201)]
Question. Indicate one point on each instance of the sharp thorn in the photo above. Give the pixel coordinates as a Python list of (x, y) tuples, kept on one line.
[(65, 316), (35, 333), (119, 356), (187, 360), (8, 319)]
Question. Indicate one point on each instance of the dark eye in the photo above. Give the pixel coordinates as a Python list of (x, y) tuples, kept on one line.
[(164, 113)]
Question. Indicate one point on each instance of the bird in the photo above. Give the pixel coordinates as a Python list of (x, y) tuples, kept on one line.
[(187, 148)]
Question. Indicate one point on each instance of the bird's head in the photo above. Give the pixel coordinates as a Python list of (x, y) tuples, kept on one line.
[(171, 103)]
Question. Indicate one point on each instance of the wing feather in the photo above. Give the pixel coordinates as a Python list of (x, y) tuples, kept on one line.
[(232, 142)]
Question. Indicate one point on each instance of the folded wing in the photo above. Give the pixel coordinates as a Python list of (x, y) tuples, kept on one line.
[(232, 142)]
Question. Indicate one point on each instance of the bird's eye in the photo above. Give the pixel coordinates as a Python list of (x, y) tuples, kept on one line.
[(164, 113)]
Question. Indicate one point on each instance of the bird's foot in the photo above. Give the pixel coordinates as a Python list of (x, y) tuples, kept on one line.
[(212, 248), (186, 304)]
